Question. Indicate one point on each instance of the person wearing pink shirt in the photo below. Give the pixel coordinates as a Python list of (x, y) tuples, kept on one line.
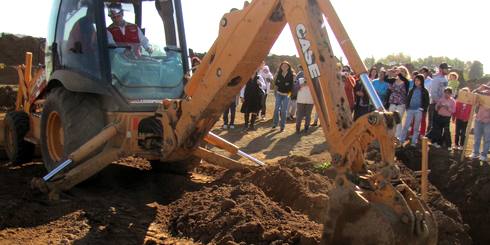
[(482, 127), (445, 108), (461, 117)]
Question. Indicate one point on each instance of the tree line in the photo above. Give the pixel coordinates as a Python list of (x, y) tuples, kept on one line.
[(470, 72)]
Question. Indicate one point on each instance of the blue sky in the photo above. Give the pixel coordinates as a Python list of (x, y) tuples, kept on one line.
[(453, 28)]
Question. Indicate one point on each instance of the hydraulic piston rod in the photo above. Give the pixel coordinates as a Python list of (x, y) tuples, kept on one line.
[(229, 147), (373, 95), (86, 149)]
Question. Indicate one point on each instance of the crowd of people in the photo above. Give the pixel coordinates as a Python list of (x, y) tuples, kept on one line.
[(424, 99), (293, 100), (426, 102)]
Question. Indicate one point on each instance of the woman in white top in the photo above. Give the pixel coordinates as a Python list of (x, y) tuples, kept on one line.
[(305, 106)]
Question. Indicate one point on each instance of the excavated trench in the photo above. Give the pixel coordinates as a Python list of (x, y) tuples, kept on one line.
[(466, 184)]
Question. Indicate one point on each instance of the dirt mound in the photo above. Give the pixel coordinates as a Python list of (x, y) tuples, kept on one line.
[(13, 53), (238, 214), (287, 199), (466, 184), (7, 98), (276, 204)]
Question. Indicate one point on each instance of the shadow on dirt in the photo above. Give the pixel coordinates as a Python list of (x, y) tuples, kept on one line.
[(117, 205)]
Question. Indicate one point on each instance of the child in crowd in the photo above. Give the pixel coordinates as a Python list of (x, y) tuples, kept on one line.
[(445, 108), (453, 82), (482, 127), (417, 103), (461, 116)]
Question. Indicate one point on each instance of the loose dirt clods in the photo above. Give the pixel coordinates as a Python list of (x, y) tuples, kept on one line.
[(282, 203), (274, 205)]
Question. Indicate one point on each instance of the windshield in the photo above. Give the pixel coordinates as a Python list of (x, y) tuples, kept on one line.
[(143, 66)]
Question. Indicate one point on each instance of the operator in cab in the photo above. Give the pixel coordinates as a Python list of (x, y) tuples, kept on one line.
[(123, 32)]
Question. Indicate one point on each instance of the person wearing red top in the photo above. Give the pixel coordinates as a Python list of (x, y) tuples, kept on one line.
[(461, 116), (349, 84), (121, 31)]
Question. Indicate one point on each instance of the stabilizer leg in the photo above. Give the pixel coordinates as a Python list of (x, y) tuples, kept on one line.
[(56, 181)]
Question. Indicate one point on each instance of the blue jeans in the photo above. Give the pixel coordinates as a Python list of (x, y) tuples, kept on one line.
[(416, 116), (482, 130), (281, 107)]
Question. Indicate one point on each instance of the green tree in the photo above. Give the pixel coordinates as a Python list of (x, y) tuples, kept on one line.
[(432, 62), (475, 70), (370, 62), (396, 59)]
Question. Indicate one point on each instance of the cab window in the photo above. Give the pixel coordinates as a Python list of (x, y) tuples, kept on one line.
[(141, 67), (76, 36)]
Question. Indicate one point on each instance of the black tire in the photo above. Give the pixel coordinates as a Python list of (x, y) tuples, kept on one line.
[(80, 118), (16, 127), (179, 167)]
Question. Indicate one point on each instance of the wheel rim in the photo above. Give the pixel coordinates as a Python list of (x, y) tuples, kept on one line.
[(9, 145), (55, 136)]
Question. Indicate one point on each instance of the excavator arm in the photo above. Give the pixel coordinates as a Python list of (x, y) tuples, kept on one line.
[(366, 206)]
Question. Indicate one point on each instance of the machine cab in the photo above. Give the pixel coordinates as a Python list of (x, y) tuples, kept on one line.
[(134, 48)]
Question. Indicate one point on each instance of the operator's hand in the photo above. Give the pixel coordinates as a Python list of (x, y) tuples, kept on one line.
[(149, 50), (242, 99)]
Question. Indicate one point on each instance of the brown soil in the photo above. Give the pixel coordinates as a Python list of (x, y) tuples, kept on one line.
[(466, 184), (255, 207), (128, 203), (7, 98), (13, 48)]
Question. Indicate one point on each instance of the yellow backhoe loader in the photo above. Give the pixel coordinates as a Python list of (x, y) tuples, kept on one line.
[(102, 98)]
